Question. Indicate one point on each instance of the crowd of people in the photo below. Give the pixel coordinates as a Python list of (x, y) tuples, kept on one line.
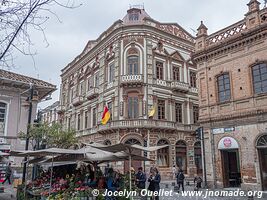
[(151, 181)]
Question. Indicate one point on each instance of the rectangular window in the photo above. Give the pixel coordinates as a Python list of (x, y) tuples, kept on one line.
[(94, 117), (178, 112), (89, 83), (3, 110), (132, 65), (176, 73), (81, 89), (133, 107), (161, 109), (97, 80), (79, 122), (159, 70), (110, 110), (259, 73), (195, 114), (86, 119), (193, 79), (224, 91), (111, 72)]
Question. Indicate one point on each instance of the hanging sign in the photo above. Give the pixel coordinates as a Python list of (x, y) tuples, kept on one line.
[(228, 143)]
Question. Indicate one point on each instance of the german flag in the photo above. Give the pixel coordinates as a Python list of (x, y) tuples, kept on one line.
[(105, 116)]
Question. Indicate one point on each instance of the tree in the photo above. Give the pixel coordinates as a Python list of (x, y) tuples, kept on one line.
[(47, 136), (17, 18)]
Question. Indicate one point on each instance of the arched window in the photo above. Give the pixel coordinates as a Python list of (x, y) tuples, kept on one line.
[(259, 74), (163, 154), (198, 157), (262, 141), (3, 113), (133, 106), (133, 141), (224, 90), (132, 63), (181, 160)]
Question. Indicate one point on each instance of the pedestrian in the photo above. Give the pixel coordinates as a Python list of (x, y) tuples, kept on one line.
[(180, 180), (174, 172), (8, 173), (154, 180), (197, 181), (140, 178)]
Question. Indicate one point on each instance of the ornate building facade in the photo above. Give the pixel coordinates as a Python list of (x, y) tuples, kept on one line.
[(134, 66), (50, 114), (232, 80)]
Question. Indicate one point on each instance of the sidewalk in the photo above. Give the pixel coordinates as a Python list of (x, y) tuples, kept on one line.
[(9, 192), (167, 185)]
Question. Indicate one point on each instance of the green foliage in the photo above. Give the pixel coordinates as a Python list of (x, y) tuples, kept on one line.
[(50, 135)]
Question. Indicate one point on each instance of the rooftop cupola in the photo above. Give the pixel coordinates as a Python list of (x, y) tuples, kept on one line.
[(202, 30)]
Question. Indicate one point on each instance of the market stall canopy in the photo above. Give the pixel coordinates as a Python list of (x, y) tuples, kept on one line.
[(99, 156), (48, 152), (125, 147), (4, 154)]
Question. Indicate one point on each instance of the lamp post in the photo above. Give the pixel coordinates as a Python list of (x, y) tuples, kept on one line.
[(27, 133)]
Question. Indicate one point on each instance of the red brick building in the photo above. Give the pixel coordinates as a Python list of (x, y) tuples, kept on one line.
[(232, 80)]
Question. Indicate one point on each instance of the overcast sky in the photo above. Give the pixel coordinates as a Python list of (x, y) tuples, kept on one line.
[(68, 38)]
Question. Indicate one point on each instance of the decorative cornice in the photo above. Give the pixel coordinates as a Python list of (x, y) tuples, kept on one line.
[(232, 44)]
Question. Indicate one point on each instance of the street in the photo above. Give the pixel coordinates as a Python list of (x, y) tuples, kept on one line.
[(10, 194)]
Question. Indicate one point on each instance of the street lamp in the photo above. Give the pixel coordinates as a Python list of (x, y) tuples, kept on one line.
[(33, 97)]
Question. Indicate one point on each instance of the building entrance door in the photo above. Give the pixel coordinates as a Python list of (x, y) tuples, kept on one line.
[(262, 150), (231, 168), (263, 167)]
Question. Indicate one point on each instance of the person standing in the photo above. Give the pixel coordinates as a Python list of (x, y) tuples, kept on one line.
[(140, 179), (8, 173), (154, 180), (197, 182), (180, 180)]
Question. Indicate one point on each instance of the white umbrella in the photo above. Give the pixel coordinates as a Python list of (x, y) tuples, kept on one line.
[(127, 148)]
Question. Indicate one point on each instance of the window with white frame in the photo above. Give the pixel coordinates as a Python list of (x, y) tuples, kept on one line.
[(97, 79), (132, 62), (81, 88), (176, 73), (94, 117), (111, 72), (90, 83), (159, 70), (3, 113)]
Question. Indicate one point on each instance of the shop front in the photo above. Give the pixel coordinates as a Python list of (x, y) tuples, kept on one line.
[(230, 162)]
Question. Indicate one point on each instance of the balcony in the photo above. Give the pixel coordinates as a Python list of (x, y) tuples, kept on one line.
[(138, 123), (110, 85), (193, 90), (77, 101), (92, 93), (179, 86), (62, 109), (132, 79)]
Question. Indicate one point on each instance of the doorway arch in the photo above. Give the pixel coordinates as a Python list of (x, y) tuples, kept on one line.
[(261, 145), (181, 158), (135, 163)]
